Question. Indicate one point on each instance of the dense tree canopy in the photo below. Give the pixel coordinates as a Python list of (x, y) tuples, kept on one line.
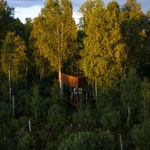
[(55, 32), (111, 45), (104, 50), (6, 16)]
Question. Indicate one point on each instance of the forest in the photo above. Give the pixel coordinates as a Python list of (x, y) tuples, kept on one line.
[(111, 47)]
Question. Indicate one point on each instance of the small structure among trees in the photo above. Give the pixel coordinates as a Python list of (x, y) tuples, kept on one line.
[(76, 88)]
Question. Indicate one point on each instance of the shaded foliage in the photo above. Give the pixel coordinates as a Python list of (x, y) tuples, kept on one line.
[(112, 49)]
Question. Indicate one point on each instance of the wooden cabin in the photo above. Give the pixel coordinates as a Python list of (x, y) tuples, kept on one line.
[(76, 88)]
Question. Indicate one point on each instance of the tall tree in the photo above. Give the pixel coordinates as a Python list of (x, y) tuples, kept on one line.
[(134, 26), (130, 93), (6, 16), (13, 57), (55, 32), (103, 55)]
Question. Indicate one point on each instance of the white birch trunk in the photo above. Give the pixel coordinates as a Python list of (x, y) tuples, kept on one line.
[(30, 129), (120, 138), (60, 61), (60, 84), (96, 89)]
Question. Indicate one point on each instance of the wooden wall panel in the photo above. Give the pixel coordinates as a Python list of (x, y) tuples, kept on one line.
[(76, 82)]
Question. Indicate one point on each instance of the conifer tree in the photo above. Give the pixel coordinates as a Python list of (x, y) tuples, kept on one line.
[(6, 16), (134, 32)]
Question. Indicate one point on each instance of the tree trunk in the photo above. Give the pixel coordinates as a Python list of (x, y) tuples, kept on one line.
[(9, 80), (60, 60), (30, 129), (121, 145), (60, 84), (129, 112)]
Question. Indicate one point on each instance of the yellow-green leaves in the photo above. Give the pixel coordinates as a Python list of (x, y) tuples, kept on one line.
[(55, 31), (104, 48), (13, 55)]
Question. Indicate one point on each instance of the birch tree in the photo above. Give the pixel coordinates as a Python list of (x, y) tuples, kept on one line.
[(103, 54), (130, 93), (55, 32), (13, 58)]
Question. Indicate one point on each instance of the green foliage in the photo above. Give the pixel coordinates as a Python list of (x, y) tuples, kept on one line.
[(88, 140), (110, 118), (26, 142), (3, 91), (5, 112), (14, 49), (56, 117), (14, 126), (145, 93), (23, 103), (107, 112), (134, 28), (110, 41), (36, 103), (141, 134), (130, 94), (103, 53), (55, 32), (6, 14), (131, 89), (83, 117), (55, 97)]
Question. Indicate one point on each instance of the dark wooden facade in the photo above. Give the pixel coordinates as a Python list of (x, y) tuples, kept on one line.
[(76, 82), (76, 89)]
